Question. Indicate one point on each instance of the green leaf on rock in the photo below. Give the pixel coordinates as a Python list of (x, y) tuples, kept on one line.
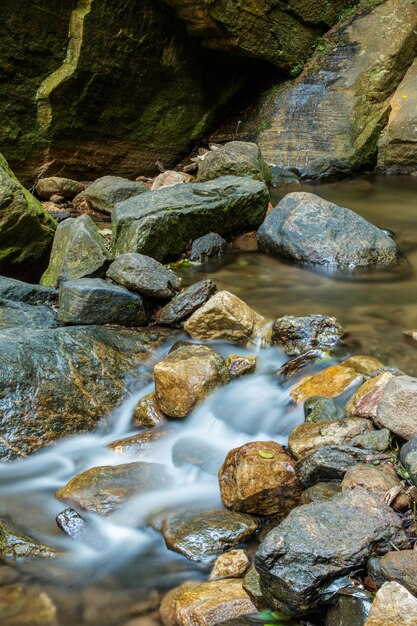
[(265, 455)]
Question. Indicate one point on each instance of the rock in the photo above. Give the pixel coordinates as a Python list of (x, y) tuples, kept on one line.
[(72, 524), (206, 604), (40, 367), (95, 301), (297, 335), (330, 463), (208, 247), (396, 408), (282, 177), (365, 401), (185, 303), (186, 376), (297, 363), (78, 251), (55, 185), (408, 456), (161, 223), (145, 275), (259, 478), (232, 564), (8, 575), (55, 211), (103, 489), (141, 445), (348, 611), (104, 193), (13, 314), (148, 412), (16, 290), (199, 535), (15, 544), (308, 229), (240, 365), (375, 577), (21, 605), (225, 317), (252, 586), (26, 230), (328, 383), (378, 479), (363, 364), (319, 409), (393, 606), (320, 542), (308, 437), (236, 158), (401, 567), (378, 440), (168, 179), (320, 492)]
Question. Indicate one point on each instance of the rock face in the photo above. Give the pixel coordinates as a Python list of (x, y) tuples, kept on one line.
[(161, 223), (208, 247), (393, 606), (26, 230), (236, 158), (40, 367), (322, 541), (95, 301), (259, 478), (17, 290), (14, 314), (305, 228), (396, 409), (144, 275), (78, 251), (401, 567), (105, 192), (340, 103), (186, 376), (296, 335), (185, 303)]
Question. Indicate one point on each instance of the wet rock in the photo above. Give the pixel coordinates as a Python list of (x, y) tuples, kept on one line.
[(96, 301), (199, 535), (330, 463), (199, 453), (170, 178), (207, 604), (348, 611), (401, 567), (252, 586), (396, 408), (364, 364), (232, 564), (297, 363), (308, 229), (16, 290), (378, 440), (236, 158), (55, 185), (394, 605), (373, 566), (297, 335), (320, 492), (162, 223), (73, 524), (208, 247), (145, 275), (378, 479), (329, 383), (225, 317), (21, 605), (78, 251), (408, 456), (186, 376), (102, 489), (13, 314), (148, 413), (185, 303), (240, 365), (320, 409), (259, 478), (104, 193), (15, 544), (322, 541), (282, 177), (140, 445), (365, 401), (308, 437)]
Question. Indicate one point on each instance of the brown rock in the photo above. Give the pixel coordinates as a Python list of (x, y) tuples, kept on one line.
[(393, 606), (378, 479), (363, 364), (397, 407), (259, 478), (240, 365), (148, 412), (331, 382), (320, 492), (186, 376), (252, 586), (55, 185), (225, 317), (232, 564), (15, 544), (205, 604), (401, 567), (170, 178), (365, 401), (141, 444), (21, 605), (308, 437)]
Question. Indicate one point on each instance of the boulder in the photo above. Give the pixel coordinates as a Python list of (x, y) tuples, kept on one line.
[(297, 335), (259, 478), (148, 413), (78, 251), (225, 317), (19, 291), (240, 365), (307, 229), (22, 605), (186, 376), (282, 177), (185, 303), (408, 456), (320, 492), (396, 408), (320, 542), (96, 301), (168, 179), (201, 534), (206, 604), (320, 409), (26, 230), (328, 383), (161, 223), (393, 606), (236, 158), (15, 544), (145, 275), (401, 567), (55, 185), (14, 314), (208, 247), (232, 564), (104, 193), (365, 401), (103, 489)]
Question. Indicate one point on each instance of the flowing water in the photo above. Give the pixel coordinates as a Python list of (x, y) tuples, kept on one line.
[(123, 561)]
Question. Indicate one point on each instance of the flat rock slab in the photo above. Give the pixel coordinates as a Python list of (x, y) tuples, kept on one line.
[(143, 274)]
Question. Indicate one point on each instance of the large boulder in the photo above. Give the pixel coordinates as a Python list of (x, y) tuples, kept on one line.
[(320, 542), (397, 406), (145, 275), (105, 192), (26, 230), (394, 605), (236, 158), (305, 228), (161, 223)]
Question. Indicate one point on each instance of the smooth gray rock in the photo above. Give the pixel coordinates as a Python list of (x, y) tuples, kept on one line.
[(208, 247), (297, 335), (19, 291), (235, 158), (330, 463), (56, 185), (185, 303), (104, 193), (145, 275), (96, 301), (13, 314)]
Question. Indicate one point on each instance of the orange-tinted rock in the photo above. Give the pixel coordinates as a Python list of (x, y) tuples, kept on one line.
[(363, 364), (365, 401), (401, 567), (21, 605), (148, 412), (231, 564), (329, 383)]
